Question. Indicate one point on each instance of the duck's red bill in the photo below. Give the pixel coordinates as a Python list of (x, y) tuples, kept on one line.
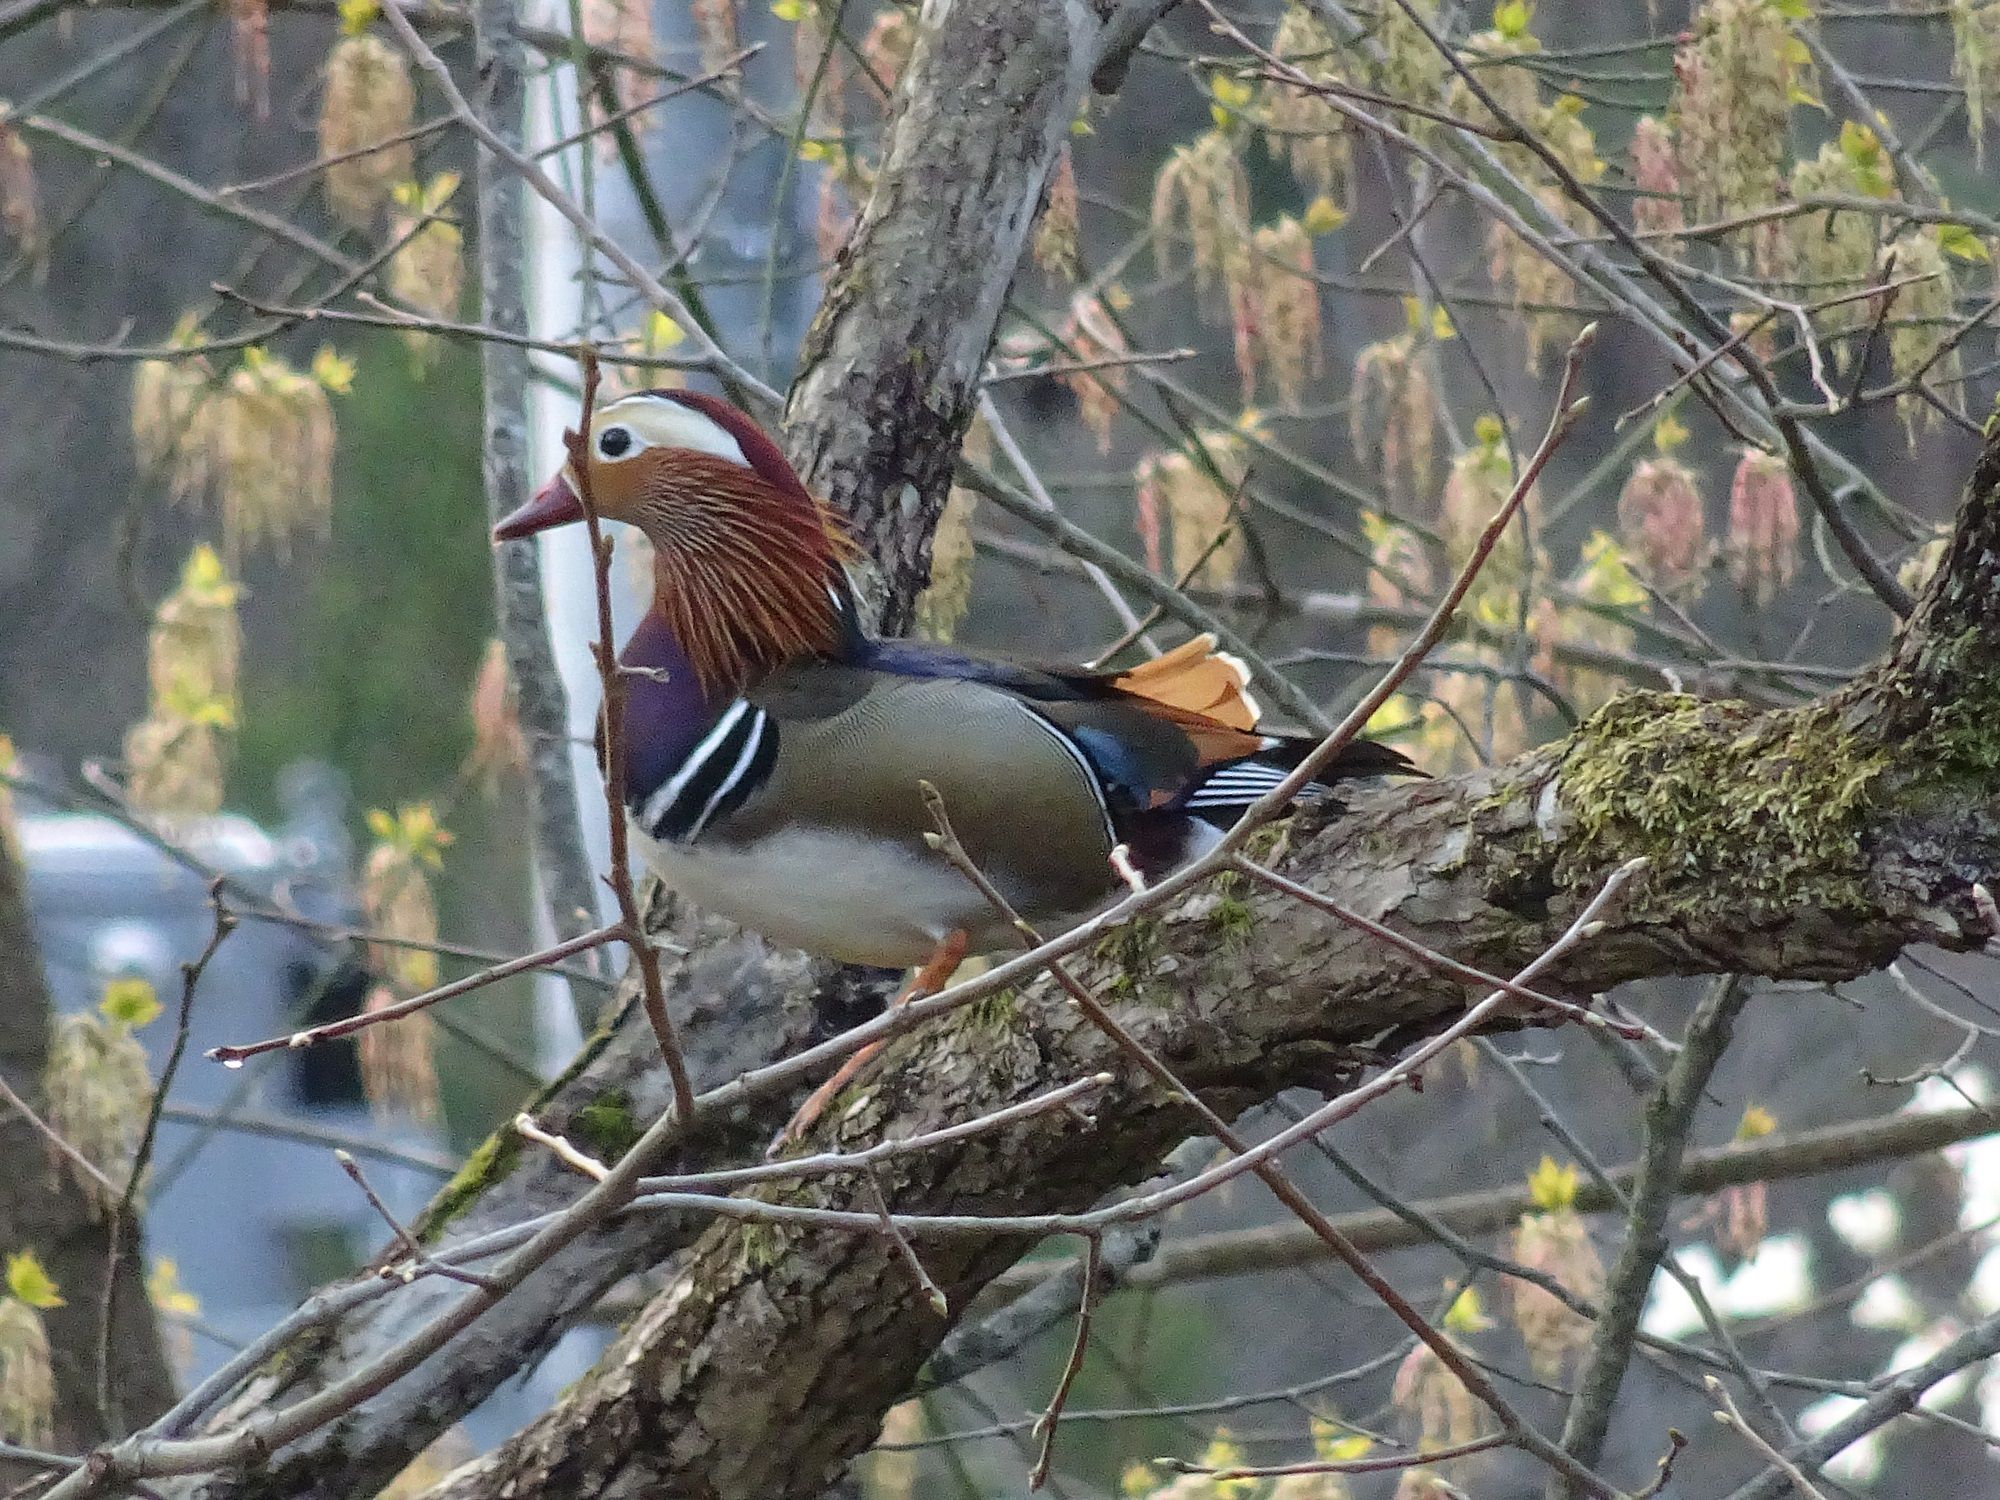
[(556, 505)]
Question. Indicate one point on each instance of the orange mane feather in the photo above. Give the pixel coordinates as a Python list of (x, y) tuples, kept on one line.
[(742, 570)]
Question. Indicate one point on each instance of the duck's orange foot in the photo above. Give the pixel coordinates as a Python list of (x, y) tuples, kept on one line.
[(928, 980)]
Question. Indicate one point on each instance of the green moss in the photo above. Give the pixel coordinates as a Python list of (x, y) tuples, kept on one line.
[(606, 1125), (1233, 918), (1132, 950), (995, 1013), (490, 1161), (1959, 745), (1736, 810)]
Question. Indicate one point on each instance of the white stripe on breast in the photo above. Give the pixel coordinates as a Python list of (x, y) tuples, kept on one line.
[(753, 742), (663, 798)]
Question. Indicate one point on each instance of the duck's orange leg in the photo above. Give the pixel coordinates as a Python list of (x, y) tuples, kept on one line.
[(928, 980)]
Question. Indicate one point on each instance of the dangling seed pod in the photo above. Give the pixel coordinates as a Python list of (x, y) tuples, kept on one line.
[(269, 434), (1660, 517), (1538, 286), (1735, 80), (1283, 331), (1300, 127), (1975, 64), (20, 199), (96, 1084), (177, 1307), (892, 1469), (716, 29), (1656, 173), (1481, 478), (174, 757), (250, 40), (499, 749), (1603, 578), (27, 1380), (10, 833), (1412, 67), (427, 274), (173, 767), (1433, 1402), (1055, 244), (1763, 526), (1090, 334), (1739, 1215), (1512, 86), (1555, 1241), (891, 38), (1921, 316), (195, 643), (1392, 411), (168, 423), (1202, 195), (398, 1072), (1834, 252), (623, 26), (398, 1061), (396, 897), (1178, 489), (369, 100)]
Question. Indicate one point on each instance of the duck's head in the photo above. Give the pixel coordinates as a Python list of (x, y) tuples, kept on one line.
[(671, 462), (747, 562)]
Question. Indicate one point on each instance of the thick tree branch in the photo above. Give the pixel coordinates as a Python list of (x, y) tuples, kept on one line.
[(890, 370)]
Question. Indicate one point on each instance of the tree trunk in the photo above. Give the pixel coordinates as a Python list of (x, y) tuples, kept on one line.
[(44, 1210)]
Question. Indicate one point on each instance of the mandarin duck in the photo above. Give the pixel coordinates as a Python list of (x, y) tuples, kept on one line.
[(774, 749)]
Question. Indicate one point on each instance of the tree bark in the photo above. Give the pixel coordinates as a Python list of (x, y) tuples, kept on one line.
[(562, 864), (891, 364), (44, 1210), (1813, 843)]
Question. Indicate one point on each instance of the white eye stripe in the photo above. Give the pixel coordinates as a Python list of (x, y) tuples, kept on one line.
[(657, 423)]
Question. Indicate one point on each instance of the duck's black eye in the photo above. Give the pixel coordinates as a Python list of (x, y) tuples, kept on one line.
[(614, 442)]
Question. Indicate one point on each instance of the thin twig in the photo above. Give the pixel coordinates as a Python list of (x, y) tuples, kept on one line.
[(560, 1145), (232, 1056), (1045, 1428), (631, 927), (905, 1251), (420, 1258), (54, 1137), (1387, 1463), (1730, 1417), (221, 925)]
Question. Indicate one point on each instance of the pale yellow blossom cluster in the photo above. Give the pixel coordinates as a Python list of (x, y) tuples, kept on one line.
[(96, 1084), (1190, 500), (398, 1070), (369, 103)]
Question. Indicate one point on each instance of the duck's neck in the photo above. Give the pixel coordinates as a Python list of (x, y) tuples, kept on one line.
[(670, 703)]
